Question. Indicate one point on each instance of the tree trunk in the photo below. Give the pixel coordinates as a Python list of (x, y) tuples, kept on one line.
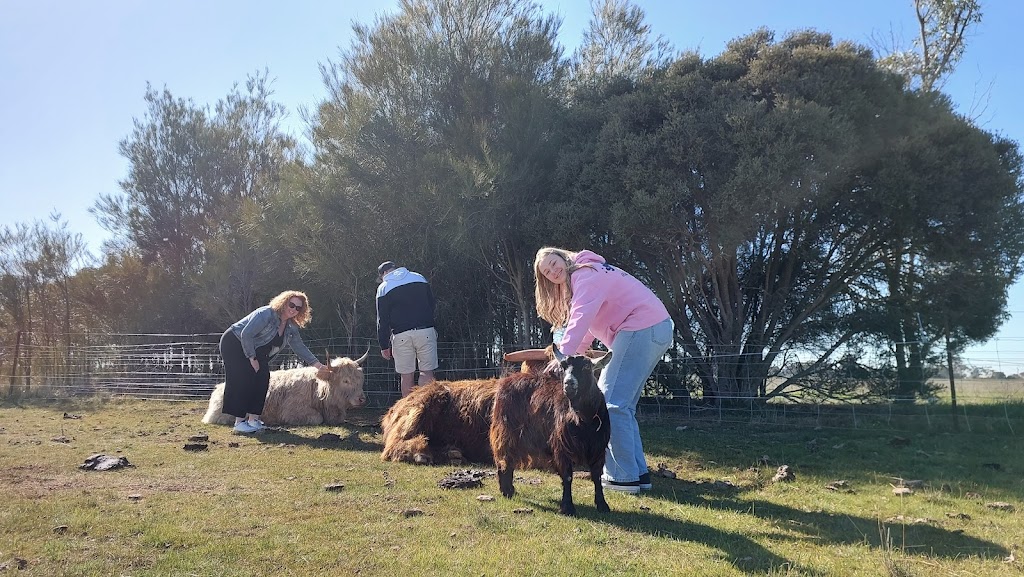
[(952, 380)]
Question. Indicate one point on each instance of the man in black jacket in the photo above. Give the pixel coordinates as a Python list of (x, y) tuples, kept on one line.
[(405, 323)]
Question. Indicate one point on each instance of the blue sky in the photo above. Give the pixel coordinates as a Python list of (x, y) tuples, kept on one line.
[(74, 75)]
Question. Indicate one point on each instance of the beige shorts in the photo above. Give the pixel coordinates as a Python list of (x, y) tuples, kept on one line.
[(411, 346)]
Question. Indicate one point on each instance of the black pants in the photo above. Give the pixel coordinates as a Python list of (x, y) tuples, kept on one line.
[(245, 390)]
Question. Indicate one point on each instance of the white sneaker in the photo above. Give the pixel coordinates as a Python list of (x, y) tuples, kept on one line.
[(631, 487), (244, 427)]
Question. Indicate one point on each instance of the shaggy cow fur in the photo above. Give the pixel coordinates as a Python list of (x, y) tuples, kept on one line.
[(304, 396), (449, 422), (552, 420), (442, 422)]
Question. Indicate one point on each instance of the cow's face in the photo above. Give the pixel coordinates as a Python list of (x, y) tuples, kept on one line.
[(579, 381), (345, 384)]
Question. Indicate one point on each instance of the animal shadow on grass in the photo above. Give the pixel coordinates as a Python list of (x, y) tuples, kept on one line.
[(350, 442), (918, 539), (742, 552)]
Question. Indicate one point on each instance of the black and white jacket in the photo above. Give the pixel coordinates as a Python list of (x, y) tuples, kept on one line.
[(404, 302)]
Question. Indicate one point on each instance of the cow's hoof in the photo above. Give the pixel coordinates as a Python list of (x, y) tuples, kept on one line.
[(455, 456)]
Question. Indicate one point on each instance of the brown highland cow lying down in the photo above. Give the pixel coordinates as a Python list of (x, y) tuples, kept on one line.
[(441, 422), (448, 422)]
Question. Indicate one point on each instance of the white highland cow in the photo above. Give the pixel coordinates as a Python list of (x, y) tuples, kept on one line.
[(304, 396)]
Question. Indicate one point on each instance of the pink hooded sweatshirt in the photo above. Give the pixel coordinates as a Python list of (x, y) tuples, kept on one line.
[(606, 300)]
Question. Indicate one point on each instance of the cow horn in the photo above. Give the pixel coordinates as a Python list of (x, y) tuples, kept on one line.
[(328, 357), (526, 355), (558, 354), (360, 360)]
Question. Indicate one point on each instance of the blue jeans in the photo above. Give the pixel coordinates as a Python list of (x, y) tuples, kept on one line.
[(634, 356)]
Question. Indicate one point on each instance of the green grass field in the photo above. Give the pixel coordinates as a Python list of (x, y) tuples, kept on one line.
[(259, 505)]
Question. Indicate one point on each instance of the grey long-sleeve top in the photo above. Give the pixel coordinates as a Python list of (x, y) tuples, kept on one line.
[(260, 327)]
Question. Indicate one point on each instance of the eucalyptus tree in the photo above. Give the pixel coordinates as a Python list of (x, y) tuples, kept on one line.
[(20, 282), (124, 294), (618, 43), (192, 171), (913, 281), (439, 135), (254, 155), (940, 43), (743, 186), (307, 236), (37, 264), (954, 212)]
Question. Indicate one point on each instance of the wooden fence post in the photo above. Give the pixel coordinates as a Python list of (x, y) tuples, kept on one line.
[(14, 363)]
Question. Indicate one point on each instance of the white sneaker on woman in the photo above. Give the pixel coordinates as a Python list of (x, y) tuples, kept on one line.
[(631, 487), (244, 427)]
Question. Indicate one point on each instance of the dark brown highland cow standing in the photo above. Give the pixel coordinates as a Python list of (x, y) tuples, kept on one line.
[(552, 420)]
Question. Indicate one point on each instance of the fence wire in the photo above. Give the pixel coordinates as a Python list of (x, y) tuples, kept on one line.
[(187, 368)]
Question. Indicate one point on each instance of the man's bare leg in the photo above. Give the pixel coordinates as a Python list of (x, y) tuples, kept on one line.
[(407, 383)]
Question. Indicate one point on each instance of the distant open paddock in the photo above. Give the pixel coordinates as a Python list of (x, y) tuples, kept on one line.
[(981, 390)]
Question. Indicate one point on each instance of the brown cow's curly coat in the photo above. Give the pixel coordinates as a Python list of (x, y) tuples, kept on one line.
[(448, 422), (441, 422), (551, 420)]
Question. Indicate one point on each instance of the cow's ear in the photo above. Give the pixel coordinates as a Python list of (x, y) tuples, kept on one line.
[(603, 361), (324, 373), (558, 353)]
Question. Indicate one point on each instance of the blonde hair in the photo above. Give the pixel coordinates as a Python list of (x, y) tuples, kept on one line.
[(279, 303), (553, 299)]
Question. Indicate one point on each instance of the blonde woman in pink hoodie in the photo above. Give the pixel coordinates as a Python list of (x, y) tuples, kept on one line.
[(584, 298)]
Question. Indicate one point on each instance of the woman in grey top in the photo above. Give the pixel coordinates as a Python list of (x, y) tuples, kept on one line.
[(247, 347)]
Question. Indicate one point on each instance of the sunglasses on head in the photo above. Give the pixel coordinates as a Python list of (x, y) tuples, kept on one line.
[(295, 306)]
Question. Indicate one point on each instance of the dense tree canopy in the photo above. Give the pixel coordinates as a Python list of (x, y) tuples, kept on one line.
[(756, 189), (439, 133)]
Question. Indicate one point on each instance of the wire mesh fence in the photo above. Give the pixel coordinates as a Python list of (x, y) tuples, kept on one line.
[(188, 367), (1002, 417)]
